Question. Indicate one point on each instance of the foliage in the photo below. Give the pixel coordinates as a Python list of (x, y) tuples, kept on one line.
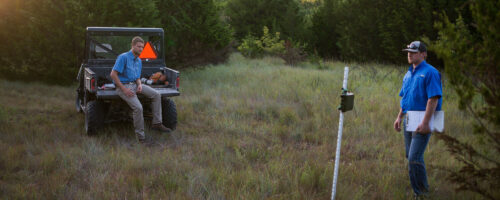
[(471, 56), (366, 30), (194, 32), (247, 17), (294, 52), (251, 47), (324, 29), (266, 45), (45, 38), (291, 52), (270, 44)]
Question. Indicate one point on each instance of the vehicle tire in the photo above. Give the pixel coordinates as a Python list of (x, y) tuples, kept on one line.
[(94, 116), (169, 113)]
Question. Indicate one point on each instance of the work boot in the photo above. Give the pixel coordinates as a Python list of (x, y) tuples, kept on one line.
[(422, 196), (146, 142), (161, 128), (140, 139)]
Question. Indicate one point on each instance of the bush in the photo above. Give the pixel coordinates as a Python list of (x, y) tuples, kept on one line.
[(294, 52), (272, 45), (266, 45), (251, 47)]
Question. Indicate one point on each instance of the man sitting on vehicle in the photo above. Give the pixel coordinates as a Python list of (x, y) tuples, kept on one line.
[(126, 76)]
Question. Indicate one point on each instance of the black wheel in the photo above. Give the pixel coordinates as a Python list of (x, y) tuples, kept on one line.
[(94, 116), (169, 113)]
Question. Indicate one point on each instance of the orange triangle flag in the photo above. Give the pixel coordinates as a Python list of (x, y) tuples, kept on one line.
[(148, 52)]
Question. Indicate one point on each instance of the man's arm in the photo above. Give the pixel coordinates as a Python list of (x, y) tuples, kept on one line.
[(119, 84), (397, 122), (429, 111)]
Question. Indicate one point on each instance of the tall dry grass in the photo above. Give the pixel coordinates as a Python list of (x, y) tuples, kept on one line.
[(248, 129)]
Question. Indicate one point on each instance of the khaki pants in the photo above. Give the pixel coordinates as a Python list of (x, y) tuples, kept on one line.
[(136, 106)]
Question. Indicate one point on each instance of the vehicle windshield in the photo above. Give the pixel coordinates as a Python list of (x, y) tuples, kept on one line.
[(110, 47)]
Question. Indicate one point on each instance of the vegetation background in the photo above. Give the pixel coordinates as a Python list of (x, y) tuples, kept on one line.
[(267, 132), (45, 38)]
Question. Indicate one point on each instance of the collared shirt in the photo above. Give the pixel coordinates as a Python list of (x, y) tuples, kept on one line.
[(128, 67), (419, 86)]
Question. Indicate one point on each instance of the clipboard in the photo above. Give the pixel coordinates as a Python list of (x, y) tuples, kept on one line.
[(414, 118)]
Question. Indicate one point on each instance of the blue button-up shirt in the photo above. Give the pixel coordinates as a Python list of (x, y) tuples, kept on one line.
[(128, 67), (419, 86)]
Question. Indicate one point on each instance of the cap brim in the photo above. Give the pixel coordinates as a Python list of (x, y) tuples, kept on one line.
[(411, 50)]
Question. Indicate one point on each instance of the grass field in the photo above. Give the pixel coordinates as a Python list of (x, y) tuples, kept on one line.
[(248, 129)]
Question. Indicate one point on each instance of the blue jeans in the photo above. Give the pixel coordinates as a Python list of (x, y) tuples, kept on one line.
[(416, 144)]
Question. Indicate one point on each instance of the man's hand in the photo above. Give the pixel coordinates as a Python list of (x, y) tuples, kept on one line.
[(423, 128), (118, 83), (139, 88), (128, 92), (397, 124)]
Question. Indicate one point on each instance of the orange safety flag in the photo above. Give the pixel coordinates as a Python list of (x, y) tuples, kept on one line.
[(148, 52)]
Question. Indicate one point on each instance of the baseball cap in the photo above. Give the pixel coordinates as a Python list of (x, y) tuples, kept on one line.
[(416, 46)]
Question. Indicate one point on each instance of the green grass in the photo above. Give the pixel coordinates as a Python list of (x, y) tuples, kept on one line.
[(248, 129)]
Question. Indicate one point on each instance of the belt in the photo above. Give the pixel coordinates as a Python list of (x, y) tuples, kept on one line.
[(129, 83)]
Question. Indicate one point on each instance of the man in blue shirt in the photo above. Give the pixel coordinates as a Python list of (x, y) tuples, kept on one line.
[(126, 75), (421, 91)]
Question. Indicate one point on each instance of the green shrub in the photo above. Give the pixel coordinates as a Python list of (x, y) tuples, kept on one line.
[(291, 52), (251, 47), (270, 44), (266, 45)]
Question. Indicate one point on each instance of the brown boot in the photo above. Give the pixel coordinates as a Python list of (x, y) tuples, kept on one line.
[(161, 128), (140, 139)]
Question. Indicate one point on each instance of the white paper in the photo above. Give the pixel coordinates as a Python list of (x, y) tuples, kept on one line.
[(414, 118), (108, 86)]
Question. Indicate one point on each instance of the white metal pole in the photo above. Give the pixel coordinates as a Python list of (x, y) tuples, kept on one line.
[(339, 139)]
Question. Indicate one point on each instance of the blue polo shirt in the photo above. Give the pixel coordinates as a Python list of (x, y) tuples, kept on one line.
[(128, 67), (419, 86)]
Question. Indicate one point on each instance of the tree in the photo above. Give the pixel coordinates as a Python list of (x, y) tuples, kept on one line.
[(325, 29), (366, 30), (378, 30), (194, 32), (471, 56), (247, 17), (45, 38)]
